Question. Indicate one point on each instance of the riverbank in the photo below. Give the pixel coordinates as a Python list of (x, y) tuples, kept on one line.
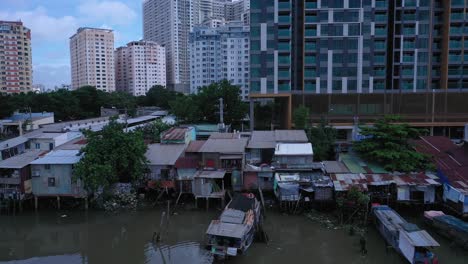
[(99, 237)]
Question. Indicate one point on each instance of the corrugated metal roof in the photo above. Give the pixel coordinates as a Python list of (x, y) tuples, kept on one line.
[(419, 179), (218, 228), (164, 154), (234, 146), (59, 157), (45, 135), (262, 140), (335, 167), (451, 160), (289, 136), (211, 174), (421, 239), (21, 160), (343, 182), (175, 133), (195, 146), (12, 142), (218, 135), (286, 149), (232, 216)]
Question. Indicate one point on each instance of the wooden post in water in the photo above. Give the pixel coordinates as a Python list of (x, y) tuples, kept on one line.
[(86, 203), (36, 203), (58, 202), (262, 200), (157, 235)]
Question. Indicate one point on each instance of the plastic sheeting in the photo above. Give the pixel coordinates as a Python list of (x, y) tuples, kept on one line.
[(288, 191)]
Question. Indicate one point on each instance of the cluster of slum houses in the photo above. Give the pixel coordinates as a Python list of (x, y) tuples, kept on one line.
[(200, 161), (40, 163), (281, 162)]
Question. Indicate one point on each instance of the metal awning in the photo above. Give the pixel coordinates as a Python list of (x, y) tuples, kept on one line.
[(230, 157), (218, 228)]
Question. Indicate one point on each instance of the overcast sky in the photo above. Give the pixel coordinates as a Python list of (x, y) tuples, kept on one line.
[(53, 22)]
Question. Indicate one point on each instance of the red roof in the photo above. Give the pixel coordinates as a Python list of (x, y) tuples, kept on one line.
[(195, 146), (174, 133), (451, 160)]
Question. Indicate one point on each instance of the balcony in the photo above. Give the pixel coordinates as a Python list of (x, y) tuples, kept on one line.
[(10, 181), (282, 74), (284, 60), (284, 33), (310, 5), (284, 5), (284, 19)]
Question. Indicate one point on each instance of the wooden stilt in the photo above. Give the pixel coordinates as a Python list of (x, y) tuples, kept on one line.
[(58, 202), (196, 202), (86, 203), (207, 203), (36, 203), (178, 198)]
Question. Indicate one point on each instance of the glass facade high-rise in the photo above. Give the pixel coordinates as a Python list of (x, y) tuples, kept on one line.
[(351, 60)]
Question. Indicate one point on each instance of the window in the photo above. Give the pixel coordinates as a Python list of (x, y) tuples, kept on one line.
[(51, 182), (47, 166), (38, 146)]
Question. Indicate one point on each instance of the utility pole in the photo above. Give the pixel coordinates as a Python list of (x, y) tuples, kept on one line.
[(221, 111), (433, 112), (126, 120)]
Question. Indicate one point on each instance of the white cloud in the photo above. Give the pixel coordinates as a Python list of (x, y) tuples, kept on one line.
[(43, 26), (113, 12)]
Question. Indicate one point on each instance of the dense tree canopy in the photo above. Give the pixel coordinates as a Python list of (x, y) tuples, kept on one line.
[(388, 143), (152, 131), (111, 156), (323, 139), (87, 101), (301, 117)]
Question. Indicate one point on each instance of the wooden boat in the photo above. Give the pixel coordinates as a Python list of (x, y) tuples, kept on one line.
[(234, 231), (407, 239), (448, 226)]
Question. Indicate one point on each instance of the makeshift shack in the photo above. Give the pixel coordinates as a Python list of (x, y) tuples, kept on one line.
[(209, 184)]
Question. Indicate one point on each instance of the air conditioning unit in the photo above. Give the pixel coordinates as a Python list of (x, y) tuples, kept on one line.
[(36, 174)]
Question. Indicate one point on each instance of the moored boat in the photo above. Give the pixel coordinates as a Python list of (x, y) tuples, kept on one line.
[(448, 226), (234, 231), (407, 239)]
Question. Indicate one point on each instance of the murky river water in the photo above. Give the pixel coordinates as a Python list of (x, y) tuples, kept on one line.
[(97, 237)]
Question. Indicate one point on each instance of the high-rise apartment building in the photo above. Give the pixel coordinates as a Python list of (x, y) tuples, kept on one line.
[(168, 22), (220, 53), (139, 66), (207, 9), (237, 10), (92, 58), (356, 60), (15, 58)]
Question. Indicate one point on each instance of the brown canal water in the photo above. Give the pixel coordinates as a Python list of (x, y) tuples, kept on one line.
[(97, 237)]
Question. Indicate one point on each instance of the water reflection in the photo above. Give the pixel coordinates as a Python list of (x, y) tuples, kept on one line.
[(96, 238), (183, 252)]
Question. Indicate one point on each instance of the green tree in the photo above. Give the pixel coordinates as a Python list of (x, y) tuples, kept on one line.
[(185, 109), (323, 139), (388, 143), (111, 156), (207, 101), (153, 130), (301, 117), (159, 96)]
